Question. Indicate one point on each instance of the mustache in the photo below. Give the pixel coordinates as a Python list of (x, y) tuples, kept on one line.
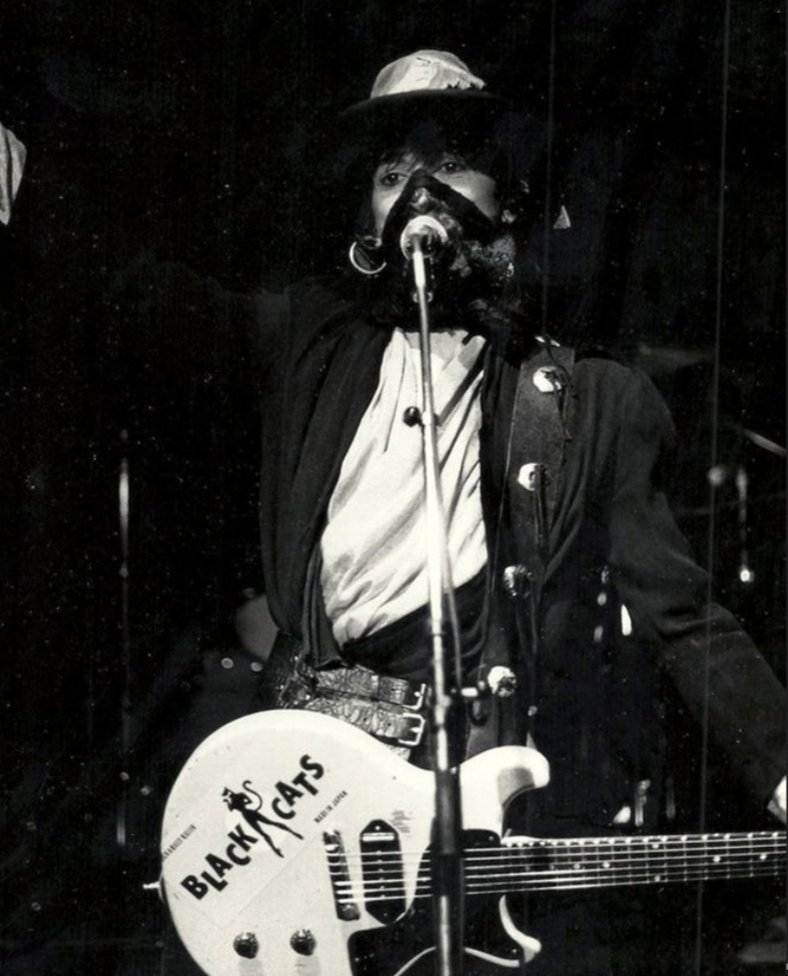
[(423, 194)]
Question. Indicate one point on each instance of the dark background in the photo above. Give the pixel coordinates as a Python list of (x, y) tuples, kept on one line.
[(201, 132)]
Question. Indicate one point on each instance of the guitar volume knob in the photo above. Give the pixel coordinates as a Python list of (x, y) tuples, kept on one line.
[(246, 945), (303, 942)]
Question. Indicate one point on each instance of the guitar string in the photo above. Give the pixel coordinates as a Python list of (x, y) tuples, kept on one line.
[(517, 884), (720, 870), (656, 859), (525, 883), (766, 856), (570, 882), (530, 881), (579, 875), (482, 883), (618, 848), (750, 836), (775, 836), (604, 870)]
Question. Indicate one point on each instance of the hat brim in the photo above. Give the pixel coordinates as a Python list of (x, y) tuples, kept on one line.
[(391, 116), (380, 123), (427, 101)]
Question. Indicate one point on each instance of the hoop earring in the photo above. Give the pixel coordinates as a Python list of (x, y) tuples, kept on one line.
[(370, 271)]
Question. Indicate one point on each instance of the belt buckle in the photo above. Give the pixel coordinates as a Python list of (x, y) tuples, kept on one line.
[(421, 694), (414, 737)]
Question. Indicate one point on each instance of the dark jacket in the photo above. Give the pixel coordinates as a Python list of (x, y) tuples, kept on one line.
[(612, 533), (315, 353)]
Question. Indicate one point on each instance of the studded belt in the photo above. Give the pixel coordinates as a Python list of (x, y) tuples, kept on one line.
[(390, 709)]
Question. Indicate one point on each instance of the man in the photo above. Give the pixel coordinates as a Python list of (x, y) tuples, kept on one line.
[(550, 462), (551, 466), (337, 529)]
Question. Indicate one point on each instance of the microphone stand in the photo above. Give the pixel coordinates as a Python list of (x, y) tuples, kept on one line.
[(447, 866)]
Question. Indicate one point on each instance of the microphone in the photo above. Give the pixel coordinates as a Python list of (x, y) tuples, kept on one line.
[(429, 231)]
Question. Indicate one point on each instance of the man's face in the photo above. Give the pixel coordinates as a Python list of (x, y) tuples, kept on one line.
[(391, 176)]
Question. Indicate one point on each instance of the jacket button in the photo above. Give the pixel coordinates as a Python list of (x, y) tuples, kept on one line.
[(527, 476), (547, 379), (502, 681), (515, 580)]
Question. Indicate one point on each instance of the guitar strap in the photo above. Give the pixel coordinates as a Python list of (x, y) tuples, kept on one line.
[(539, 431), (541, 420)]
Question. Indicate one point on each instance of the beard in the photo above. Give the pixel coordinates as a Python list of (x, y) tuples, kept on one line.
[(472, 276)]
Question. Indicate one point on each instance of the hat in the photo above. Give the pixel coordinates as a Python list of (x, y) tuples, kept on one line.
[(433, 87), (426, 84)]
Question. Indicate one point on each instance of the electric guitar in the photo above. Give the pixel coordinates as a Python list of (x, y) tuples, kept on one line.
[(294, 845)]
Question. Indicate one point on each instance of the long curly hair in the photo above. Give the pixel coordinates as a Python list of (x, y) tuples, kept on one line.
[(491, 295)]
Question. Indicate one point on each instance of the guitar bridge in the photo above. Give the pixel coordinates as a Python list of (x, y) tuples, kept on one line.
[(346, 908)]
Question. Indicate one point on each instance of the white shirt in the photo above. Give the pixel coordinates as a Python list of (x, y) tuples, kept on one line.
[(374, 543)]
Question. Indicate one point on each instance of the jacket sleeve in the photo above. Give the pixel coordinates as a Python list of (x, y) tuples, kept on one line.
[(718, 672)]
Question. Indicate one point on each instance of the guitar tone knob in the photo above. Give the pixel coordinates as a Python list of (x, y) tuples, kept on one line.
[(303, 942), (246, 945)]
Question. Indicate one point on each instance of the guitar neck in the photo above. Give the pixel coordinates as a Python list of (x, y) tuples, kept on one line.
[(528, 864)]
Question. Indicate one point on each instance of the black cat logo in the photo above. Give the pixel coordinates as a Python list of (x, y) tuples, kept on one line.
[(243, 804)]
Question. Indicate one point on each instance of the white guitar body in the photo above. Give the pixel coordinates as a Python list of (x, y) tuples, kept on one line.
[(284, 895), (295, 845)]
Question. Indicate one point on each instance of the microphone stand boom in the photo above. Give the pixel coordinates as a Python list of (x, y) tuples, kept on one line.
[(447, 866)]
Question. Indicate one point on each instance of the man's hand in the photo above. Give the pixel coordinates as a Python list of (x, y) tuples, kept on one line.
[(255, 627), (12, 163), (777, 803)]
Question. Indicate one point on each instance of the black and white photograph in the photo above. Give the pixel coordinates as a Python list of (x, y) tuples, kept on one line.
[(393, 524)]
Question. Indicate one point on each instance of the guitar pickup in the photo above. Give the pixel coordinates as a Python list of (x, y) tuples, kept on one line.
[(381, 865), (346, 908)]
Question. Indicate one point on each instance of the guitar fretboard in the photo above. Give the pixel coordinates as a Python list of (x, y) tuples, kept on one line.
[(538, 865), (522, 864)]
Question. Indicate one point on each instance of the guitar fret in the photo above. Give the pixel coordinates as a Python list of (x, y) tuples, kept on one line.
[(659, 846), (626, 845), (611, 853), (643, 860)]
